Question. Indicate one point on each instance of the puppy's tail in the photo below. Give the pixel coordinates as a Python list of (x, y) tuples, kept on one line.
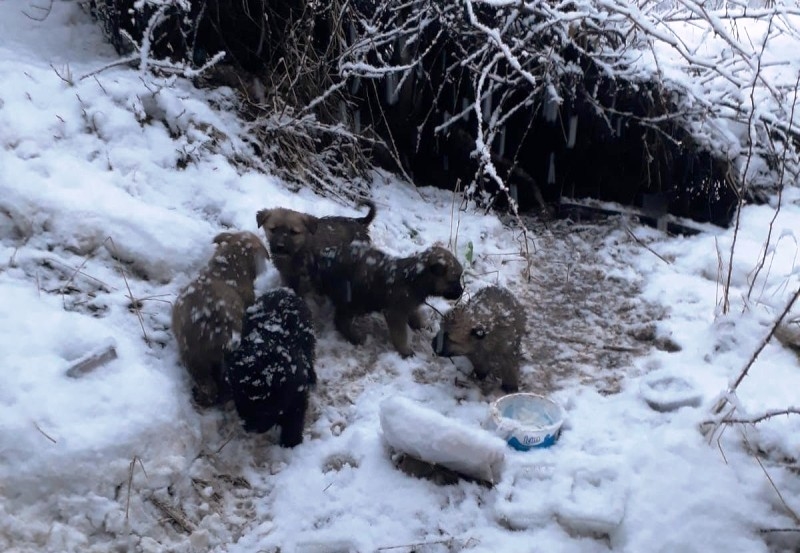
[(368, 218)]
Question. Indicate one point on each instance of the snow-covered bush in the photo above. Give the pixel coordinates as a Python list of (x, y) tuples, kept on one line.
[(681, 106)]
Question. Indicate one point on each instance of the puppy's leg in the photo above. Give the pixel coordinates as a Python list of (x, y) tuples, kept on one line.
[(344, 322), (293, 420), (206, 391), (509, 375), (480, 372), (415, 320), (397, 321)]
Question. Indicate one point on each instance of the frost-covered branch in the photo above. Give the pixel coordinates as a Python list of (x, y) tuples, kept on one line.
[(755, 419), (729, 395)]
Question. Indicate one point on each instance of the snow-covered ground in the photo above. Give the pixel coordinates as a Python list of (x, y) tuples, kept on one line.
[(111, 189)]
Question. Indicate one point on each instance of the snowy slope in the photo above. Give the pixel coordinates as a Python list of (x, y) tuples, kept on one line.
[(111, 189)]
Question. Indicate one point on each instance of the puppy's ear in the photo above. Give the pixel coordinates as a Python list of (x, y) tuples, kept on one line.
[(223, 237), (310, 223), (262, 217)]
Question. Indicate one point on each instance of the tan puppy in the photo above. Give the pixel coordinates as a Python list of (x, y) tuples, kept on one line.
[(296, 240), (207, 316), (488, 330), (360, 279)]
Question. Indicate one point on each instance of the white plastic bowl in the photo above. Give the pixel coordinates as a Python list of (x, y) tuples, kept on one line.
[(526, 421)]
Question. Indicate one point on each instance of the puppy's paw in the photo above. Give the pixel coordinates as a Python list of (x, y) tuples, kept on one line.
[(405, 353), (509, 388), (356, 338), (205, 396), (415, 321)]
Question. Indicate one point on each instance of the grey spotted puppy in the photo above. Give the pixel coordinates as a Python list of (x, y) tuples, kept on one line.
[(488, 330), (360, 279)]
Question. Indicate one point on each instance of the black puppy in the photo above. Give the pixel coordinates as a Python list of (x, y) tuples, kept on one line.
[(271, 371)]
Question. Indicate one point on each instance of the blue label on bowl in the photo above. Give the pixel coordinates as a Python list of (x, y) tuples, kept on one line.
[(547, 441)]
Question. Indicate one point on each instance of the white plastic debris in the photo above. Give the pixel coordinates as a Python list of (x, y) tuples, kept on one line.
[(666, 391), (432, 437)]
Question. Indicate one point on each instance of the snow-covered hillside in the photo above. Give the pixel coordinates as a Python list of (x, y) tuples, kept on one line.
[(111, 190)]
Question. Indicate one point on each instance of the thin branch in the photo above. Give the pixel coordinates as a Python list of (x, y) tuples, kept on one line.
[(45, 434), (786, 506), (732, 388), (645, 246)]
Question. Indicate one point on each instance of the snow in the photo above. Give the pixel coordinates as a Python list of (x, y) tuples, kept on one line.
[(111, 190)]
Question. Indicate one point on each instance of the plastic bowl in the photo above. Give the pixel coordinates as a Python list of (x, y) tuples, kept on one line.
[(526, 421)]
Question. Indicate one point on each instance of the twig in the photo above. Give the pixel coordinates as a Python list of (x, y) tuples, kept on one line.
[(417, 544), (786, 506), (134, 302), (748, 160), (176, 516), (453, 243), (645, 246), (66, 77), (226, 442), (45, 434), (130, 481)]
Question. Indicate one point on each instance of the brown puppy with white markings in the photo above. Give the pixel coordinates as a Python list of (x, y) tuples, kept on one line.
[(207, 316), (488, 330), (297, 239), (360, 279)]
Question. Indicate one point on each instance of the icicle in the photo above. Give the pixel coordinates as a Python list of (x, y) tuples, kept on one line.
[(355, 85), (514, 193), (573, 131), (551, 104), (551, 171), (357, 121), (486, 108), (501, 142), (343, 112), (391, 88)]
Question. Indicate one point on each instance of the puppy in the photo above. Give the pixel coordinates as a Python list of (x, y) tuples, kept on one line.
[(296, 240), (271, 371), (360, 279), (207, 316), (488, 330)]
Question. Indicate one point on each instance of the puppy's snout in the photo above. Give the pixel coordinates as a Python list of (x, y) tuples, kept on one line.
[(439, 343), (280, 246)]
